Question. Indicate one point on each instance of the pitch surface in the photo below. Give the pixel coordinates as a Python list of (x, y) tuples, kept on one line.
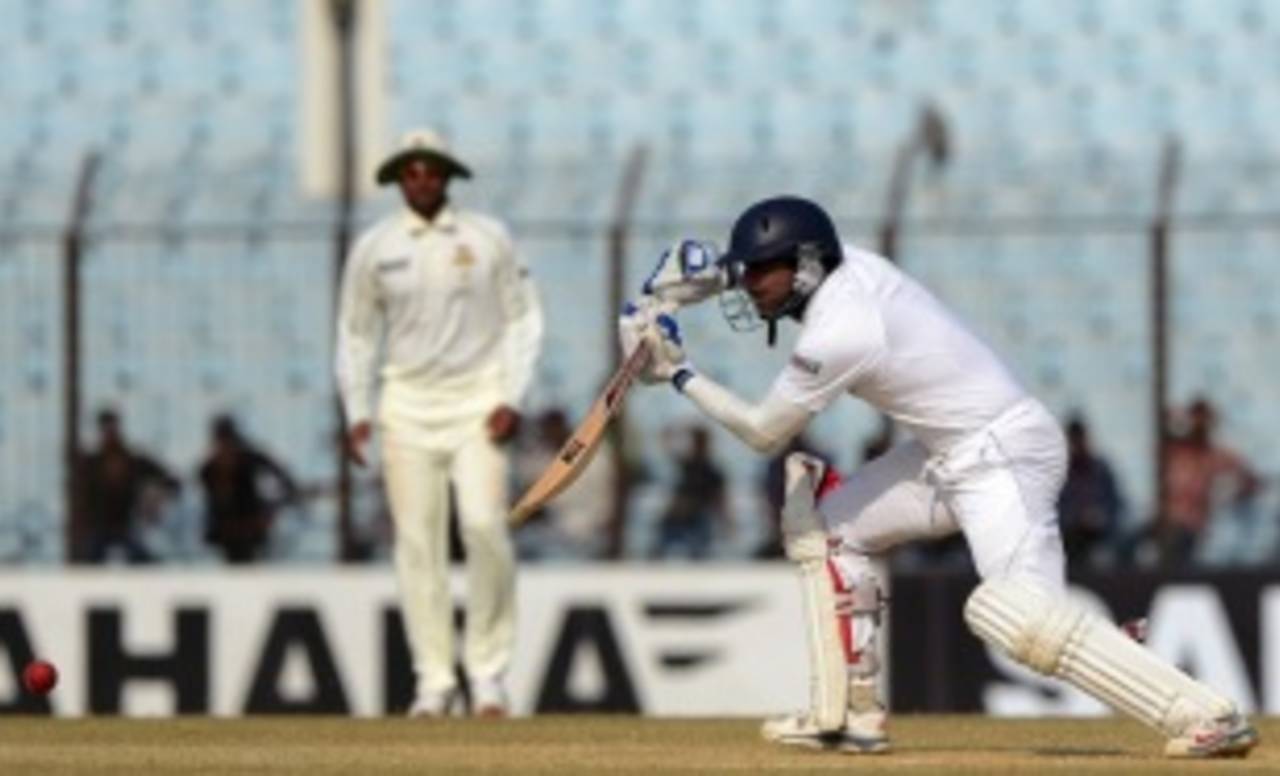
[(582, 744)]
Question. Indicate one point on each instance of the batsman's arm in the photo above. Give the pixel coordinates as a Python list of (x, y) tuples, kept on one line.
[(765, 427)]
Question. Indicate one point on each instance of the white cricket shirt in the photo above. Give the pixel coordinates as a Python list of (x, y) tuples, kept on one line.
[(454, 308), (874, 332)]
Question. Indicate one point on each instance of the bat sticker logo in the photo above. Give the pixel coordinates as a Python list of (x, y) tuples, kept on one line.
[(572, 450)]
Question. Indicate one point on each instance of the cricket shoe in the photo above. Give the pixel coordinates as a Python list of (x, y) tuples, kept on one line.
[(428, 705), (488, 699), (1226, 736), (863, 733)]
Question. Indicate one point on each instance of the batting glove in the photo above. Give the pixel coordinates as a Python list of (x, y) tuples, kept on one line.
[(669, 361), (636, 320), (687, 273)]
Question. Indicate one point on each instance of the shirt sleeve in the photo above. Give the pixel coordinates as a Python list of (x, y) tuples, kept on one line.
[(765, 427), (522, 311), (360, 323), (830, 357)]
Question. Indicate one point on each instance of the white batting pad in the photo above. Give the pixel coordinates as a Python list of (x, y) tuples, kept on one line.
[(805, 542), (800, 518), (828, 681), (1055, 636)]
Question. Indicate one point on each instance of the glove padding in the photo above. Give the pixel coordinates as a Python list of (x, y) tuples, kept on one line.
[(687, 273), (636, 319), (649, 320), (666, 347)]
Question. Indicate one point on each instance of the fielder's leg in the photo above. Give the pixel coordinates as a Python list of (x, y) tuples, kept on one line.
[(480, 477), (842, 613), (1057, 637), (416, 484)]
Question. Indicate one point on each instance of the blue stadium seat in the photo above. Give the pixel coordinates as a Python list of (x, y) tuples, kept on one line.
[(1054, 112)]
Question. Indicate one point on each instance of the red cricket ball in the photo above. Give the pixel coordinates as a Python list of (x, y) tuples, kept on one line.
[(39, 677)]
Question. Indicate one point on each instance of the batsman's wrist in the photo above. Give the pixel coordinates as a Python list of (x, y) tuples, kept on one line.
[(681, 376)]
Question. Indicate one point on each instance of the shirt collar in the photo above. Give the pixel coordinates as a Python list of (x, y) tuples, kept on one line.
[(446, 221)]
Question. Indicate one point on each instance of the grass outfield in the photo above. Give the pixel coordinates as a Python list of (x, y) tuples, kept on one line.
[(580, 744)]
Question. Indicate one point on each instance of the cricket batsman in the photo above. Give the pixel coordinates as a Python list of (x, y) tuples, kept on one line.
[(986, 459)]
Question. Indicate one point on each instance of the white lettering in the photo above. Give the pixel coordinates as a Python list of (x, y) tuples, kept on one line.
[(1269, 649), (1189, 628)]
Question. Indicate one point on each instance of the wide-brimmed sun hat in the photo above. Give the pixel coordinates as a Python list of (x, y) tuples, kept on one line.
[(420, 144)]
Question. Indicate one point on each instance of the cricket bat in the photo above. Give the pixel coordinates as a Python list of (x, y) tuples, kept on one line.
[(582, 444)]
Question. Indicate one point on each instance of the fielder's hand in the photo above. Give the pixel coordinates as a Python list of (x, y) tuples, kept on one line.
[(503, 424), (687, 273), (357, 438)]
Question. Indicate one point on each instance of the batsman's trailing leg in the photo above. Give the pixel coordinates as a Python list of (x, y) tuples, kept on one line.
[(1060, 638)]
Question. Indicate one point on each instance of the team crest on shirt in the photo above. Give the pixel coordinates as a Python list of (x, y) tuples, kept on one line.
[(806, 365), (463, 257)]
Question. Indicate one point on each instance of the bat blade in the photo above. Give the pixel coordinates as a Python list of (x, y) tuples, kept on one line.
[(582, 444)]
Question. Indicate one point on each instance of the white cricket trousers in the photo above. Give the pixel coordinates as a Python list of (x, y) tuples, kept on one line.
[(418, 465), (999, 486)]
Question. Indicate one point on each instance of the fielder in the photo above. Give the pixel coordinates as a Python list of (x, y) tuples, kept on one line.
[(461, 325), (987, 459)]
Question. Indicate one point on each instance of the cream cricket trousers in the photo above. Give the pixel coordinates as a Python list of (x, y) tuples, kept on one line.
[(999, 486), (419, 462)]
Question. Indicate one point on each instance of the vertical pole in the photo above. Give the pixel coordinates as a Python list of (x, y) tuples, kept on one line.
[(1170, 159), (344, 22), (72, 247), (929, 135), (1159, 362), (896, 199), (619, 228)]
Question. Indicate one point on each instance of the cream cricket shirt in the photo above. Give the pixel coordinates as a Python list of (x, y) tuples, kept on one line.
[(874, 332), (454, 310)]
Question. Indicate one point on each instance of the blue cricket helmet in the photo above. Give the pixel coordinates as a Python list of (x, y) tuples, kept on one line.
[(777, 228)]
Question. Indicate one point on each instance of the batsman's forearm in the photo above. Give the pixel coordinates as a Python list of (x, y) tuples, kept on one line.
[(766, 427)]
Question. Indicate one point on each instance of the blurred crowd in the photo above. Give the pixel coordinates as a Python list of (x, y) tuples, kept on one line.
[(1213, 511), (123, 488), (1211, 514)]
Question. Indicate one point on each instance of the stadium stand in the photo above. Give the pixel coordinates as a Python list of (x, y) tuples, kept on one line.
[(208, 276)]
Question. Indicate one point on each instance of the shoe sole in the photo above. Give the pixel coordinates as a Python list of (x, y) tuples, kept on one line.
[(492, 712), (835, 742), (1236, 745)]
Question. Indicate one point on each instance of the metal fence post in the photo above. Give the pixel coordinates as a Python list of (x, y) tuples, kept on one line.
[(72, 247)]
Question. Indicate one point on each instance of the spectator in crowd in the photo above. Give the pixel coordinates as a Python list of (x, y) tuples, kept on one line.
[(574, 525), (238, 510), (772, 478), (698, 501), (1199, 472), (117, 487), (439, 314), (1090, 505)]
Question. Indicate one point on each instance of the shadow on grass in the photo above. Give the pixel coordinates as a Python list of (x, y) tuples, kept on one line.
[(1082, 752), (1073, 751)]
